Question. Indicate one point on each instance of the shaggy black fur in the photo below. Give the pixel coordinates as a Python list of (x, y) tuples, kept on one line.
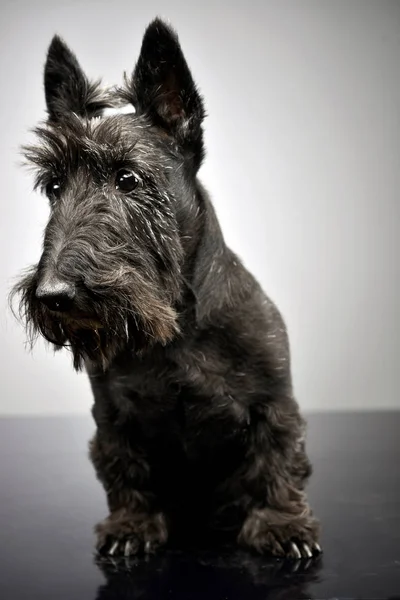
[(197, 426)]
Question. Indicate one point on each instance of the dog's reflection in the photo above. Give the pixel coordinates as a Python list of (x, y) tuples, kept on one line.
[(178, 576)]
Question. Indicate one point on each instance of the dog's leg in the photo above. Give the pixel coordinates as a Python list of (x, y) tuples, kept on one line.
[(279, 520), (134, 524)]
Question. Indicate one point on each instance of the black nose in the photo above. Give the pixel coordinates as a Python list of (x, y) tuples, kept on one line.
[(56, 294)]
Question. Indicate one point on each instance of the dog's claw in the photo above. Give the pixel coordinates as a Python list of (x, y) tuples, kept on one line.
[(296, 550), (128, 548), (279, 548), (113, 548), (307, 550), (147, 547), (317, 547)]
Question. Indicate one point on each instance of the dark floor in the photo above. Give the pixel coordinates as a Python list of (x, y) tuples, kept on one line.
[(49, 501)]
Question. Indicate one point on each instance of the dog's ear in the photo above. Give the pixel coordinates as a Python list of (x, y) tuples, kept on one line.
[(67, 89), (163, 88)]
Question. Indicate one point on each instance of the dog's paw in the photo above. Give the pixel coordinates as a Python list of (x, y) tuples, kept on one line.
[(294, 539), (126, 534)]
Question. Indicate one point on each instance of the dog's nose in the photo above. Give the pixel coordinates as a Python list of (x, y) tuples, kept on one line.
[(56, 294)]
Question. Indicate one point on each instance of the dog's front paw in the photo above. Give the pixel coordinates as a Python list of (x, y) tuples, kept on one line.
[(125, 533), (290, 538)]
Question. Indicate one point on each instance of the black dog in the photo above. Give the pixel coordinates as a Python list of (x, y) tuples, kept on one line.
[(197, 426)]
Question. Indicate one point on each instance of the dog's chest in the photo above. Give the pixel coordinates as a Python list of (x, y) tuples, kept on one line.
[(161, 409), (209, 424)]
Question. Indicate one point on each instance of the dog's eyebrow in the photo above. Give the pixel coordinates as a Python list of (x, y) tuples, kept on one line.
[(76, 139)]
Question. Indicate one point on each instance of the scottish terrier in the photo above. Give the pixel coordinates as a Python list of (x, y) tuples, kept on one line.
[(197, 429)]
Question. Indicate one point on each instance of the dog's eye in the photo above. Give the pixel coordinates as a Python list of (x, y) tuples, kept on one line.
[(126, 181), (53, 189)]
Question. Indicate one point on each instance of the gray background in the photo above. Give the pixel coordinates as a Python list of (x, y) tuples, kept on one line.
[(303, 165)]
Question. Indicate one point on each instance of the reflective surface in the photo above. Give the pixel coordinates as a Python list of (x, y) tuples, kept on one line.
[(50, 500)]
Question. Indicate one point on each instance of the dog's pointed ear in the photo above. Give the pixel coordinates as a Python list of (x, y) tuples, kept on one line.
[(162, 87), (67, 89)]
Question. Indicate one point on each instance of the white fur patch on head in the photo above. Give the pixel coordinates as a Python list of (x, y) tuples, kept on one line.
[(127, 109)]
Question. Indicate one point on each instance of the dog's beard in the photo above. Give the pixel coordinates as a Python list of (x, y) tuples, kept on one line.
[(91, 340), (105, 325)]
